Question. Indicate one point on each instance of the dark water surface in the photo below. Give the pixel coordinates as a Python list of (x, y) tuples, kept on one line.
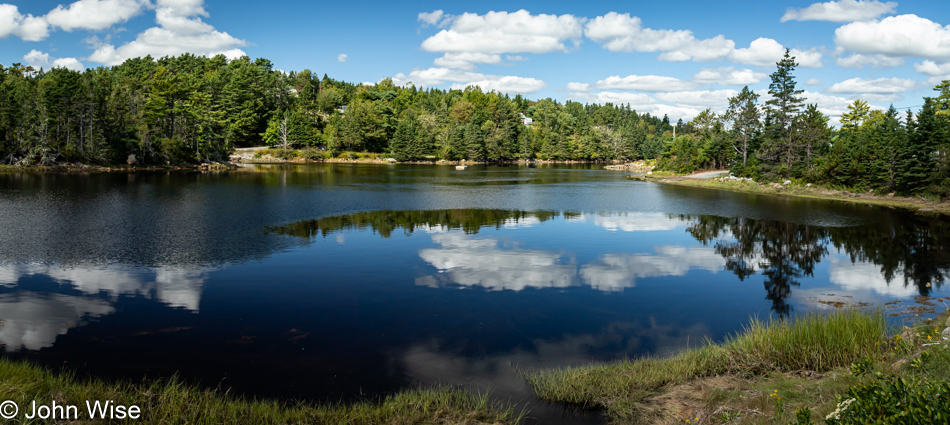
[(339, 282)]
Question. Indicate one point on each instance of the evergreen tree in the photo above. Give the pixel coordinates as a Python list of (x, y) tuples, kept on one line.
[(780, 153), (744, 115)]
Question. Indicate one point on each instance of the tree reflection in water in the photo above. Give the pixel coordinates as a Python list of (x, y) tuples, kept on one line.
[(909, 247), (914, 248)]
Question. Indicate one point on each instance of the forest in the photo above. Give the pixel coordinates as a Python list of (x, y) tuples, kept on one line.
[(190, 109)]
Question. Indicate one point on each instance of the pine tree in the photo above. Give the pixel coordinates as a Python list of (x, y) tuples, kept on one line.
[(784, 107)]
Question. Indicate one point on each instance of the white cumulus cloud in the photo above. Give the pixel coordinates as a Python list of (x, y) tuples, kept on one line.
[(38, 59), (700, 99), (94, 14), (858, 60), (624, 33), (503, 32), (27, 27), (766, 52), (578, 87), (877, 86), (648, 83), (729, 76), (431, 18), (466, 60), (840, 11), (180, 30), (342, 57), (932, 69), (897, 36)]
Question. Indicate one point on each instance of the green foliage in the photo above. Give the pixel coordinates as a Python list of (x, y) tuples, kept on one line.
[(191, 108), (890, 399), (803, 416)]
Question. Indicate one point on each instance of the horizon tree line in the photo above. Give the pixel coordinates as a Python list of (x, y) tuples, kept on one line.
[(189, 109)]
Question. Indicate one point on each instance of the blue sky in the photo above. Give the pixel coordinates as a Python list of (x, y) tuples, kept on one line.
[(674, 58)]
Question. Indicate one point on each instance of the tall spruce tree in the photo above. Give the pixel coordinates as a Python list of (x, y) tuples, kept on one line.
[(781, 151)]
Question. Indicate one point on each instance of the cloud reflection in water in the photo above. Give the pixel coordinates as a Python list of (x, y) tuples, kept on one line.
[(32, 320), (469, 261)]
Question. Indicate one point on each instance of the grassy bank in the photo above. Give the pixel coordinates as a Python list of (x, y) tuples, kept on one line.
[(171, 402), (765, 374), (801, 191)]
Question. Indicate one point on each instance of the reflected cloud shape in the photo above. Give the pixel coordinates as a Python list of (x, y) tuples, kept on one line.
[(173, 286), (33, 321), (618, 271), (438, 362), (180, 288), (857, 276), (467, 261), (486, 262), (529, 221), (634, 222)]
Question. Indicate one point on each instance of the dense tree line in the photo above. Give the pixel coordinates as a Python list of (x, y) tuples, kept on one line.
[(191, 108), (785, 138)]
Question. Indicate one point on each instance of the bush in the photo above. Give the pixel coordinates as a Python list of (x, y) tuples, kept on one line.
[(313, 154), (893, 400)]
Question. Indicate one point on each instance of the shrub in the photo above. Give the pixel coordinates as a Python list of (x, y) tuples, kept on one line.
[(893, 400)]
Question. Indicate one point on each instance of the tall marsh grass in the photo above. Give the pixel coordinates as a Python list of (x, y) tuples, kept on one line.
[(811, 342)]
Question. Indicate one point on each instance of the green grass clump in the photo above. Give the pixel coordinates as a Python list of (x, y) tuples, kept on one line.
[(813, 342), (172, 402), (809, 343)]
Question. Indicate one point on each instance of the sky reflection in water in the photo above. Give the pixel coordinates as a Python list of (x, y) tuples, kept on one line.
[(364, 304)]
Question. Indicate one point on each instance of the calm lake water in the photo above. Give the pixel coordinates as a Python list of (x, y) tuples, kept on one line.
[(340, 282)]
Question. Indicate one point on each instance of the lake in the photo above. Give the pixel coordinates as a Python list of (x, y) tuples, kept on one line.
[(332, 282)]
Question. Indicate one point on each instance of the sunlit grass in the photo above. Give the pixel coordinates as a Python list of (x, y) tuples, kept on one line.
[(809, 343)]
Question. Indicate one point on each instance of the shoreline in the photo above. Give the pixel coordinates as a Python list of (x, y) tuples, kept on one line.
[(170, 400), (916, 204), (751, 377), (785, 371), (112, 168)]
